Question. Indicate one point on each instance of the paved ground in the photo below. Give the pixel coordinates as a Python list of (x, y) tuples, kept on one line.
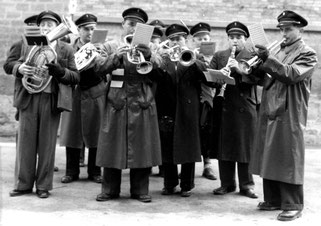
[(74, 204)]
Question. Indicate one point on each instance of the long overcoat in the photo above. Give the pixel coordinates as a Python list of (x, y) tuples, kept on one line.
[(81, 126), (129, 134), (279, 146), (235, 117), (178, 97)]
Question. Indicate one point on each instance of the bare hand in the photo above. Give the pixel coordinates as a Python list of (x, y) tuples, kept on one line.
[(25, 69)]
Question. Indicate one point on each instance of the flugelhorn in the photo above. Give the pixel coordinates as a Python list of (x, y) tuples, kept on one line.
[(247, 66), (136, 57), (41, 55)]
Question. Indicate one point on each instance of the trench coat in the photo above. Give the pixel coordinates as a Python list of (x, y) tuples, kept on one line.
[(279, 145), (178, 97), (235, 117), (129, 134), (81, 126)]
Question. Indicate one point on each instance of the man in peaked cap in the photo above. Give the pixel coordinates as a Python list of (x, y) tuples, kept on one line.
[(39, 113), (48, 15), (81, 126), (178, 101), (129, 138), (158, 33), (201, 33), (31, 20), (234, 118), (278, 156), (132, 16)]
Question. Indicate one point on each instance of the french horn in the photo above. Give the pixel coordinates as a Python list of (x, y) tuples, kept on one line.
[(41, 55)]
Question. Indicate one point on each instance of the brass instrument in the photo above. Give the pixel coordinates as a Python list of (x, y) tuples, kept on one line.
[(136, 57), (222, 90), (247, 66), (41, 55), (176, 53)]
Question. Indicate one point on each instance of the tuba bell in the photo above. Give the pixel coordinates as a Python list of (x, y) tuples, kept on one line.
[(43, 54)]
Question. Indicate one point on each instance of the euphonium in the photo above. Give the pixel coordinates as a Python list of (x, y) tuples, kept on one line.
[(136, 57), (41, 55), (247, 66), (222, 90)]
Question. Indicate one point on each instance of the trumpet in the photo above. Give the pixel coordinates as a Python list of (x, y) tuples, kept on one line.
[(136, 57), (179, 54), (247, 66), (222, 90)]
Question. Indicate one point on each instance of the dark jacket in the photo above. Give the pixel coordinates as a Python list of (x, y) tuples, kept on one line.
[(65, 57), (81, 126), (235, 117), (178, 104)]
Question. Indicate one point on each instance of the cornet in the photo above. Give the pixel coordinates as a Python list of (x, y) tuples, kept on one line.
[(247, 66), (179, 54), (136, 57)]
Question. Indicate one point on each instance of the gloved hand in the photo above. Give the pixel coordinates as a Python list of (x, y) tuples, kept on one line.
[(145, 50), (56, 70), (262, 52)]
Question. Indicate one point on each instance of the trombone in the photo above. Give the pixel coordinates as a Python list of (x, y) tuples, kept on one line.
[(136, 57), (247, 66)]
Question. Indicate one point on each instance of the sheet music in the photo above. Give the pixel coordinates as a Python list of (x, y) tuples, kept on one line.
[(143, 34), (215, 75), (257, 34)]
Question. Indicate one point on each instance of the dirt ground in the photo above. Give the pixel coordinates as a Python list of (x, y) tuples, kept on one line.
[(74, 203)]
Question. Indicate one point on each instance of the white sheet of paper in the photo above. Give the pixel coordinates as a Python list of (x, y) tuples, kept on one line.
[(257, 34), (215, 75), (143, 34)]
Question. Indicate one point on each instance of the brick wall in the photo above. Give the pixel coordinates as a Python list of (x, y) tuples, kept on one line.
[(218, 13)]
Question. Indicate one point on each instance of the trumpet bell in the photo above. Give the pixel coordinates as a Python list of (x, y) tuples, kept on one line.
[(144, 67), (187, 57)]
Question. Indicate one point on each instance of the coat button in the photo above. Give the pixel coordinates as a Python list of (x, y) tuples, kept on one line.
[(189, 101), (242, 109), (241, 94)]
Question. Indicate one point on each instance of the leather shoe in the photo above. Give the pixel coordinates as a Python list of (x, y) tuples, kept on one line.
[(208, 173), (186, 193), (141, 198), (106, 197), (268, 206), (17, 192), (223, 190), (289, 215), (97, 179), (56, 169), (43, 194), (169, 191), (67, 179), (249, 193)]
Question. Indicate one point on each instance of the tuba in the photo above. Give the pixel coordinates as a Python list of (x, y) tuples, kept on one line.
[(136, 57), (41, 55)]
